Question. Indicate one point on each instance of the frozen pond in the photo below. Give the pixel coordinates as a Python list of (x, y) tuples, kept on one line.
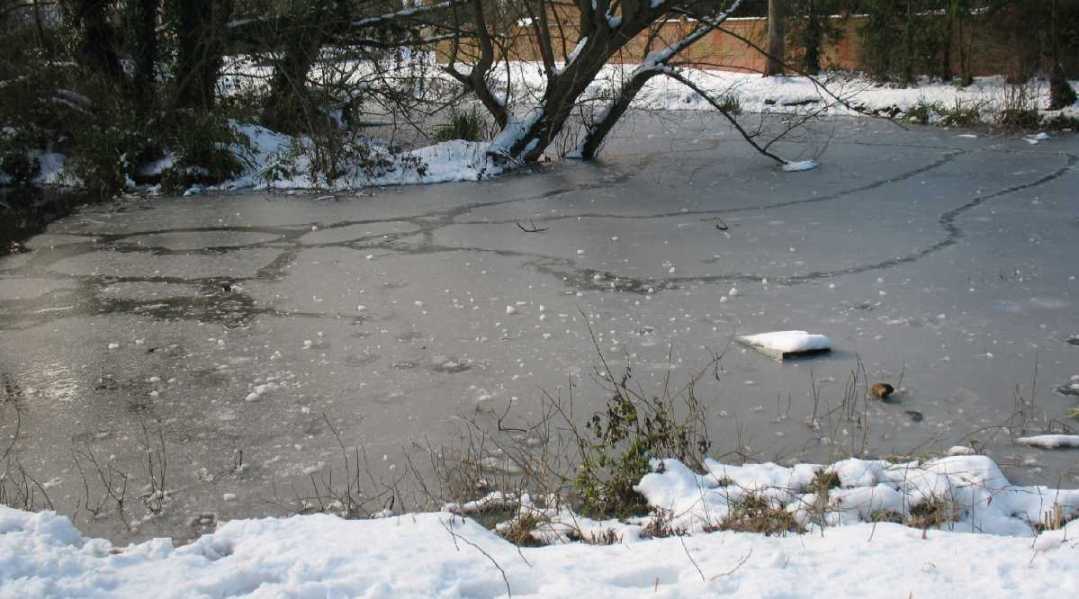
[(243, 323)]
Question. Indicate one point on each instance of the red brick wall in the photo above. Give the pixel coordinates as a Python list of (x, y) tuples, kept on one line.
[(719, 50)]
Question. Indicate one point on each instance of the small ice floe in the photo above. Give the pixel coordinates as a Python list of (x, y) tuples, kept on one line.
[(1034, 139), (1051, 441), (782, 345), (800, 165)]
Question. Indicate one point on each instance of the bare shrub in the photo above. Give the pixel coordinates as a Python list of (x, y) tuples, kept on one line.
[(961, 114), (462, 124), (1018, 108), (18, 488)]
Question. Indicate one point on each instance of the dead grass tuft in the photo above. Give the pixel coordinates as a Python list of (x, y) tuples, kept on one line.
[(824, 481), (933, 511), (519, 530), (756, 513), (660, 526)]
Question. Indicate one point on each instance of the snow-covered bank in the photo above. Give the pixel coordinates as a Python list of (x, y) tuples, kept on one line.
[(41, 555), (800, 94), (438, 555), (279, 161), (968, 492), (283, 162), (795, 93), (443, 555)]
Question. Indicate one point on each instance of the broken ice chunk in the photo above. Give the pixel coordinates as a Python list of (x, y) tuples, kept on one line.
[(1050, 441), (783, 345), (800, 165)]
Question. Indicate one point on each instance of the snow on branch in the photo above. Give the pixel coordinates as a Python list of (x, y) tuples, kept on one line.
[(704, 27)]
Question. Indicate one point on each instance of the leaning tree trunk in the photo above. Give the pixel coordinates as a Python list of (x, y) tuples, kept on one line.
[(776, 45), (595, 135), (526, 140), (602, 35)]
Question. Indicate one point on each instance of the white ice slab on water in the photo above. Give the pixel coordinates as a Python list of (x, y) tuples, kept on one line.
[(786, 344), (1051, 441), (800, 165)]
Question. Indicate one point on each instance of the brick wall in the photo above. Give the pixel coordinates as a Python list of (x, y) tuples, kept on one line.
[(986, 54)]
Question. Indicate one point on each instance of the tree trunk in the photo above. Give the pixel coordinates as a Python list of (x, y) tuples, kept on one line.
[(200, 44), (287, 108), (142, 19), (599, 130), (526, 139), (776, 35), (813, 36), (545, 122), (908, 47), (1061, 94), (97, 46)]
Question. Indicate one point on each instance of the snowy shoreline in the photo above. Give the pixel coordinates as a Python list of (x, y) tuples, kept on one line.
[(278, 161), (447, 555)]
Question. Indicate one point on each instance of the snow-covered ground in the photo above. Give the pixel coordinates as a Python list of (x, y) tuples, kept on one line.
[(796, 93), (445, 555)]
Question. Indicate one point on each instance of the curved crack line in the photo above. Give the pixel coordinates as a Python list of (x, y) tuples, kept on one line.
[(946, 220), (786, 204), (576, 277)]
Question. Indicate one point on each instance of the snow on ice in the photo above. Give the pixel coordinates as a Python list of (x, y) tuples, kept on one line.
[(801, 165), (784, 344), (1050, 441)]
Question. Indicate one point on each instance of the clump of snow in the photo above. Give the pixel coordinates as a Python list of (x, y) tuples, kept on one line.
[(1050, 441), (982, 498), (1034, 139), (786, 343), (514, 132), (961, 450), (52, 170), (801, 165)]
